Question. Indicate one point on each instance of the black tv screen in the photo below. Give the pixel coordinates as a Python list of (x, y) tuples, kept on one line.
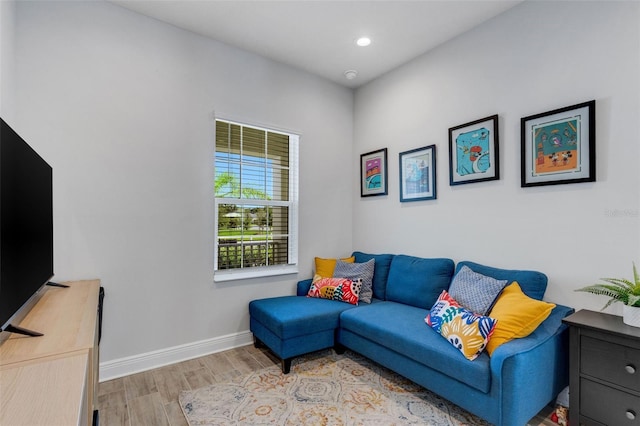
[(26, 225)]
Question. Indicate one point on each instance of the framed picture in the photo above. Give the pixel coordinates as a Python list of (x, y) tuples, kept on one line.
[(473, 152), (559, 146), (373, 173), (418, 174)]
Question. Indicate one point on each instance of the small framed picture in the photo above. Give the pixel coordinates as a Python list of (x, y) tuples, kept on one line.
[(373, 173), (473, 152), (418, 174), (559, 146)]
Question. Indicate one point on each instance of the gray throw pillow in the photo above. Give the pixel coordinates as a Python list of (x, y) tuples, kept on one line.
[(364, 271), (475, 291)]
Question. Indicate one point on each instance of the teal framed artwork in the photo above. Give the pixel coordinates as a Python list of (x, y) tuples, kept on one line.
[(373, 173), (559, 146), (418, 174), (473, 151)]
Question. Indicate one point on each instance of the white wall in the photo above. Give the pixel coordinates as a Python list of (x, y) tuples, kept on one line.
[(122, 107), (7, 19), (534, 58)]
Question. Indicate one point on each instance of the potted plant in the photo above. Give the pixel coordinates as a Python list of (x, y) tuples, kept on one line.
[(621, 290)]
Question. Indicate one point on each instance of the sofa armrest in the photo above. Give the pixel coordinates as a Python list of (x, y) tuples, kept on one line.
[(303, 287), (531, 371), (550, 327)]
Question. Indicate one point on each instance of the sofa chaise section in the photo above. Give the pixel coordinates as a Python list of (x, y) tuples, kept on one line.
[(292, 325)]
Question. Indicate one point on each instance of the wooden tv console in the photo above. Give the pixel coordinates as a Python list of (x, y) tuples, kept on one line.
[(52, 379)]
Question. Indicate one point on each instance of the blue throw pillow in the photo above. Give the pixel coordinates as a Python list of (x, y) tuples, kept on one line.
[(475, 291)]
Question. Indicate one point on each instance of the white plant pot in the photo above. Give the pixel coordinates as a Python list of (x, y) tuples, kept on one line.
[(631, 315)]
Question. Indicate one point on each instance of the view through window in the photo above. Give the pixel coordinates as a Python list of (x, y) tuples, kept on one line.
[(255, 197)]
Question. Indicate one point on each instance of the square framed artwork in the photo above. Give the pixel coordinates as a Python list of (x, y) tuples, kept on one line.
[(559, 146), (373, 173), (418, 174), (473, 151)]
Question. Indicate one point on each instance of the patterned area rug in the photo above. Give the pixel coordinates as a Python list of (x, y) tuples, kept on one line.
[(322, 389)]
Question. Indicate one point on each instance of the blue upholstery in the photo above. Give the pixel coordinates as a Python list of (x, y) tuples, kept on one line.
[(380, 271), (418, 282), (402, 328), (293, 325), (532, 283), (507, 389), (303, 287), (292, 316), (524, 379), (526, 374), (294, 346)]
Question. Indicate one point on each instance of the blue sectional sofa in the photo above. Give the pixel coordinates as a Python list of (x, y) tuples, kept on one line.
[(509, 387)]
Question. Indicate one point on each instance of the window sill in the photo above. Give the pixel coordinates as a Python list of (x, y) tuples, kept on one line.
[(243, 274)]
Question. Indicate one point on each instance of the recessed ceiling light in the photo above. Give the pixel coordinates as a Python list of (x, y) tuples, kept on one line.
[(363, 41), (351, 74)]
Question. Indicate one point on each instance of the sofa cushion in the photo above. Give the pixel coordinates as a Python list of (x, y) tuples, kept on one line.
[(380, 271), (418, 281), (362, 271), (293, 316), (475, 291), (533, 283), (518, 316), (401, 328)]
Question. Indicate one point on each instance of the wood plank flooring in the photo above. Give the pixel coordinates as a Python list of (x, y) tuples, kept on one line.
[(151, 397)]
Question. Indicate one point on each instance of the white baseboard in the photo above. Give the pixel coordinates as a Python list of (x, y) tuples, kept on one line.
[(150, 360)]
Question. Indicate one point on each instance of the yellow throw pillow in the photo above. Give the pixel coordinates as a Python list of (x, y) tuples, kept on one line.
[(518, 316), (325, 267)]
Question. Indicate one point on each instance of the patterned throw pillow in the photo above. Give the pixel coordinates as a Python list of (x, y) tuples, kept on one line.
[(325, 267), (444, 309), (465, 330), (341, 289), (475, 291), (363, 271)]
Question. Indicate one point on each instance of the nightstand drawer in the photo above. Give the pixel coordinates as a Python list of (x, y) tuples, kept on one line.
[(608, 406), (611, 362)]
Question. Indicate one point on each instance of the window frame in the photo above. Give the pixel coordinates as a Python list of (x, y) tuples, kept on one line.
[(223, 275)]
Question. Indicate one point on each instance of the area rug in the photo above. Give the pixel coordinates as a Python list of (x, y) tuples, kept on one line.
[(322, 389)]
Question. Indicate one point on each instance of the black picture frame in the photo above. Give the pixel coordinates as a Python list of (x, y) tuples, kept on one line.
[(559, 146), (474, 154), (373, 173), (418, 174)]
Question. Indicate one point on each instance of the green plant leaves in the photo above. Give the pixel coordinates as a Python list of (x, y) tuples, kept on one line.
[(618, 289)]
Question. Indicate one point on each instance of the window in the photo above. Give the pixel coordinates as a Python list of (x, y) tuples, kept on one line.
[(256, 201)]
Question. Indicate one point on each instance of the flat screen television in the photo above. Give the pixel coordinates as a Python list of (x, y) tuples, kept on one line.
[(26, 228)]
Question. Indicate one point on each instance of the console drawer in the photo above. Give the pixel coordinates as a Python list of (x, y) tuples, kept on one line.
[(604, 377), (610, 362), (607, 405)]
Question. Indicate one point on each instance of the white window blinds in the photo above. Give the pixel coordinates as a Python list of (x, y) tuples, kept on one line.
[(256, 196)]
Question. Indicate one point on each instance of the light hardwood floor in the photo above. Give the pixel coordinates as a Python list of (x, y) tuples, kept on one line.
[(151, 397)]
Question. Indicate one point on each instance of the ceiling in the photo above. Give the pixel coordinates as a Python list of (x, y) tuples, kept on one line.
[(319, 36)]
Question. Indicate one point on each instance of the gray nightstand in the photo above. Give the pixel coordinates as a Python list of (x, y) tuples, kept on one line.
[(604, 382)]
